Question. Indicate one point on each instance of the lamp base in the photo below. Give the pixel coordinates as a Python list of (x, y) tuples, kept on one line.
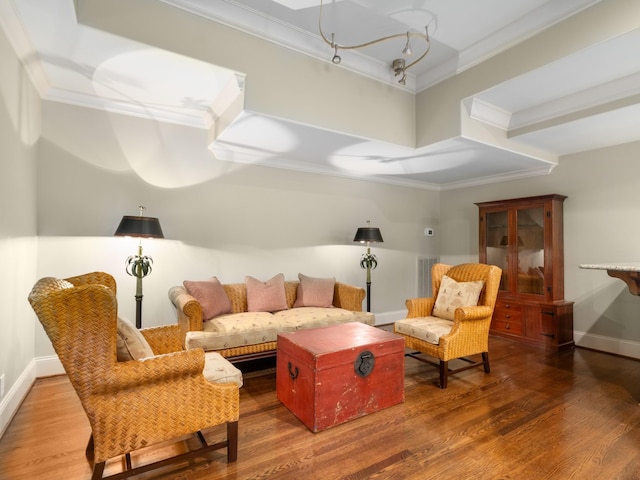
[(138, 311), (368, 296)]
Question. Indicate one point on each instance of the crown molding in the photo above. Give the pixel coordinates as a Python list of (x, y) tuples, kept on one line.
[(504, 177), (253, 22), (19, 40)]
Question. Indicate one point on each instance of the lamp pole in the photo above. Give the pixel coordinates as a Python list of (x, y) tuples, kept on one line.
[(368, 260), (369, 278), (139, 266)]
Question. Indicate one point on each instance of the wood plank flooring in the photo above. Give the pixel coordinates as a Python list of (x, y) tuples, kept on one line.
[(538, 415)]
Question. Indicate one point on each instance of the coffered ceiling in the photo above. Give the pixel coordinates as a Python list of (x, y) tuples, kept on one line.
[(587, 100)]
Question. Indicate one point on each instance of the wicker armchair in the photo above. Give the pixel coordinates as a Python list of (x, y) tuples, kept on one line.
[(467, 334), (130, 404)]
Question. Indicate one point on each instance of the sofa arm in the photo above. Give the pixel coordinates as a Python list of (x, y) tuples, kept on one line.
[(188, 310), (348, 297)]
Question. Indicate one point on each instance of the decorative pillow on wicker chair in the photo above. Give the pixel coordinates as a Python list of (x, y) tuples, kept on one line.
[(452, 295), (130, 344), (314, 292), (266, 296), (211, 296)]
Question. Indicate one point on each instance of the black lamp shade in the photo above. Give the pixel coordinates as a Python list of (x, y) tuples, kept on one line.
[(139, 226), (368, 234)]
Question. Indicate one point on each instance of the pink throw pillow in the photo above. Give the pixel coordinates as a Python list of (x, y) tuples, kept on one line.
[(211, 296), (314, 292), (266, 296)]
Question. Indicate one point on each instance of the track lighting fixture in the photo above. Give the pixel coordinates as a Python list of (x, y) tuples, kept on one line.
[(399, 66)]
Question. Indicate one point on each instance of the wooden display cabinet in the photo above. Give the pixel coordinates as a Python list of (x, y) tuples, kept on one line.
[(524, 237)]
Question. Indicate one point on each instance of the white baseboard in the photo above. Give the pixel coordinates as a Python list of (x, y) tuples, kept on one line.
[(37, 368), (16, 395), (602, 343), (48, 366), (390, 317)]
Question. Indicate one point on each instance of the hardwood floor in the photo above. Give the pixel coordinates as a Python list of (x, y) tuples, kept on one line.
[(572, 415)]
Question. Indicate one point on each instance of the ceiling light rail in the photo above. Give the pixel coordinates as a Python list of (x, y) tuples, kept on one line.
[(399, 65)]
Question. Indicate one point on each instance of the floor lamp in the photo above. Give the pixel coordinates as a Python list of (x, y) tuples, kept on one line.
[(368, 260), (139, 266)]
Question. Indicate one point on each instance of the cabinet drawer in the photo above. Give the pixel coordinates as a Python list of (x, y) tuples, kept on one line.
[(507, 317), (507, 307), (510, 325)]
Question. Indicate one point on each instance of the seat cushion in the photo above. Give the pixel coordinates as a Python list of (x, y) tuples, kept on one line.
[(218, 369), (429, 329), (253, 328), (313, 317)]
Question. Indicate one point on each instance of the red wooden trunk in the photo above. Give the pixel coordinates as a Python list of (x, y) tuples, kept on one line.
[(325, 376)]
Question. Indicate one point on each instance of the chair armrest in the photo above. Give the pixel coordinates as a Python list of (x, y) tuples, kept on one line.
[(348, 297), (164, 339), (419, 307), (481, 312), (470, 331), (152, 370)]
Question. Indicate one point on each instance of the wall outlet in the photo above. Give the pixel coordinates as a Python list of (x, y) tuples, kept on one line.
[(2, 385), (428, 232)]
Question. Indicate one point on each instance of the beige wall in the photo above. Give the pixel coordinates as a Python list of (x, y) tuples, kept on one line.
[(599, 227), (19, 125), (236, 221)]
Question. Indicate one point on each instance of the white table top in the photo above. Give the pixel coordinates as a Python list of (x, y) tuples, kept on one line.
[(620, 267)]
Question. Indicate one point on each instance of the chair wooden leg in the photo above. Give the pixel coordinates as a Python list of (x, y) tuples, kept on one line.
[(89, 450), (232, 441), (98, 469), (444, 373), (485, 361)]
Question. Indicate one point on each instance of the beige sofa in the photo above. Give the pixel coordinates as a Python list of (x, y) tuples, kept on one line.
[(243, 335)]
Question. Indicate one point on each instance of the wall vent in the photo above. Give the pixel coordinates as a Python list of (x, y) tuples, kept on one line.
[(423, 271)]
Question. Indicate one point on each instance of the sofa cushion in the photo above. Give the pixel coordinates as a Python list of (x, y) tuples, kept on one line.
[(211, 296), (130, 343), (313, 317), (314, 292), (253, 328), (429, 329), (218, 369), (266, 296), (452, 295)]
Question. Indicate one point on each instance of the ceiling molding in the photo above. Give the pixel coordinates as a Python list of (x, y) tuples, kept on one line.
[(533, 23), (489, 114), (253, 22), (19, 40), (616, 90), (504, 177)]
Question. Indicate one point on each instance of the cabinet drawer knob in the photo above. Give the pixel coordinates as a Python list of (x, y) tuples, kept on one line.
[(507, 326), (507, 316)]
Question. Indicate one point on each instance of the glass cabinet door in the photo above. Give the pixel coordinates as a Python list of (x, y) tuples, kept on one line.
[(530, 238), (498, 243)]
